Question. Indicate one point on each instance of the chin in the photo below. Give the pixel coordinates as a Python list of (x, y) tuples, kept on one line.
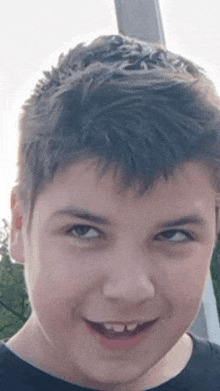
[(112, 377)]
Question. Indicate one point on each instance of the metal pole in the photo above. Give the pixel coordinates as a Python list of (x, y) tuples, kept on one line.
[(140, 19)]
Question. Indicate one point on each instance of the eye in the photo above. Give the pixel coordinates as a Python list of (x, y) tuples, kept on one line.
[(174, 236), (84, 232)]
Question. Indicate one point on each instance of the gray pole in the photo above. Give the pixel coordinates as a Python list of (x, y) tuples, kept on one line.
[(141, 19)]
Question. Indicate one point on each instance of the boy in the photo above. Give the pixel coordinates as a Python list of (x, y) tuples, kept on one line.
[(114, 219)]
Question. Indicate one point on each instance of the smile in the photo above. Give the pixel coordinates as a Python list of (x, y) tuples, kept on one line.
[(119, 331)]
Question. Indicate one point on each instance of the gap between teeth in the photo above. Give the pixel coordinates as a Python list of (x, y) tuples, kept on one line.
[(120, 328)]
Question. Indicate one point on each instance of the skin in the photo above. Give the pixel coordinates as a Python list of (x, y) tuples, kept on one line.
[(125, 268)]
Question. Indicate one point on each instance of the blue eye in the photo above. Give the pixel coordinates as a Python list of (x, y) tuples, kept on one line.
[(84, 232), (174, 236)]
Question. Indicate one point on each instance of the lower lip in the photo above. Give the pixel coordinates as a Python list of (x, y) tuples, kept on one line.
[(123, 342)]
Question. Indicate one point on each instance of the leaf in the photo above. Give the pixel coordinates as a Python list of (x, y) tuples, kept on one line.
[(14, 306)]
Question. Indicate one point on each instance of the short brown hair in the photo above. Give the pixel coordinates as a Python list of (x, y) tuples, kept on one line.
[(134, 106)]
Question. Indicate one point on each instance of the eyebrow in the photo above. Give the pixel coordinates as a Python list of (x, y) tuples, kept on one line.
[(81, 214), (189, 219), (86, 215)]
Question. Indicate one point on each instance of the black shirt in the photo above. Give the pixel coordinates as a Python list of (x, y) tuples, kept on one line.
[(202, 373)]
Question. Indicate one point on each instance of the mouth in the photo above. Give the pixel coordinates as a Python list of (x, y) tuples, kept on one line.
[(111, 330)]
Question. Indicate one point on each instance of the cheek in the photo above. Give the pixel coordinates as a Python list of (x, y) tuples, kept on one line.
[(60, 274), (183, 280)]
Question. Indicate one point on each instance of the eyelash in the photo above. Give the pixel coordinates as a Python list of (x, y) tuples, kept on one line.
[(159, 237), (188, 235), (81, 237)]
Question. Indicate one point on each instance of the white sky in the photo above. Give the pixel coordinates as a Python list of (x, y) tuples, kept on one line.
[(33, 34)]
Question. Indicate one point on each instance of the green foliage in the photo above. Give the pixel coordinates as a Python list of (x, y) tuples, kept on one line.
[(14, 305)]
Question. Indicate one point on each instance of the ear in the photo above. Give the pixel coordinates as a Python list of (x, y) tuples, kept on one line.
[(16, 238)]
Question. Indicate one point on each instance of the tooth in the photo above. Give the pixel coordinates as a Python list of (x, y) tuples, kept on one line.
[(119, 328), (108, 326), (131, 327)]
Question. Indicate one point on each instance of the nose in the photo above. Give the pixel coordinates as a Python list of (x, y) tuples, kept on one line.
[(130, 278)]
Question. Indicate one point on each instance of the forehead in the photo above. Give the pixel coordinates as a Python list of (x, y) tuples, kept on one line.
[(80, 186)]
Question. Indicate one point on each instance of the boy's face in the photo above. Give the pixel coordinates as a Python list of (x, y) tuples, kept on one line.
[(94, 255)]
